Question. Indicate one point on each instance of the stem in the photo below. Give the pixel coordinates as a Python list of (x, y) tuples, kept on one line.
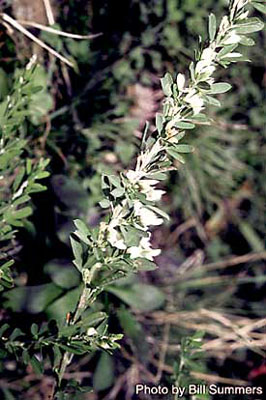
[(67, 357)]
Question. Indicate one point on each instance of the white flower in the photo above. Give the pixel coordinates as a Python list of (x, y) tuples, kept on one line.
[(31, 62), (113, 236), (172, 137), (204, 67), (146, 216), (237, 5), (244, 15), (232, 38), (241, 3), (180, 80), (115, 239), (91, 332), (145, 185), (224, 24), (195, 101), (208, 54), (105, 345), (144, 250), (152, 194), (134, 176)]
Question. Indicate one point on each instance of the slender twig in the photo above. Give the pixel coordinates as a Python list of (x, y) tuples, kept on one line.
[(49, 12), (56, 31), (218, 379), (163, 352), (233, 261), (15, 24)]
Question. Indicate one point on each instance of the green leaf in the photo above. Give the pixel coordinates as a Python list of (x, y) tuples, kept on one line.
[(167, 82), (62, 274), (246, 41), (25, 357), (204, 85), (260, 7), (3, 328), (71, 193), (131, 235), (180, 136), (129, 324), (123, 266), (83, 231), (118, 192), (227, 49), (184, 148), (42, 175), (159, 122), (33, 299), (3, 84), (6, 280), (21, 200), (134, 331), (139, 296), (22, 213), (28, 166), (145, 265), (184, 125), (18, 179), (199, 117), (77, 251), (15, 334), (61, 306), (213, 101), (212, 27), (159, 176), (220, 87), (36, 365), (125, 151), (235, 59), (74, 348), (114, 180), (92, 319), (105, 203), (103, 377), (249, 25), (34, 329), (37, 187), (173, 153)]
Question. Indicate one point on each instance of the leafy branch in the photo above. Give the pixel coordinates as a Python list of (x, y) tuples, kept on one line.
[(19, 175)]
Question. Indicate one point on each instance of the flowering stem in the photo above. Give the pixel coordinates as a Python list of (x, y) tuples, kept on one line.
[(122, 243)]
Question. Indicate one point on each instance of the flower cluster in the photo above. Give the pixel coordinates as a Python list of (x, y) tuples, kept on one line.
[(142, 217), (146, 186), (133, 198)]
